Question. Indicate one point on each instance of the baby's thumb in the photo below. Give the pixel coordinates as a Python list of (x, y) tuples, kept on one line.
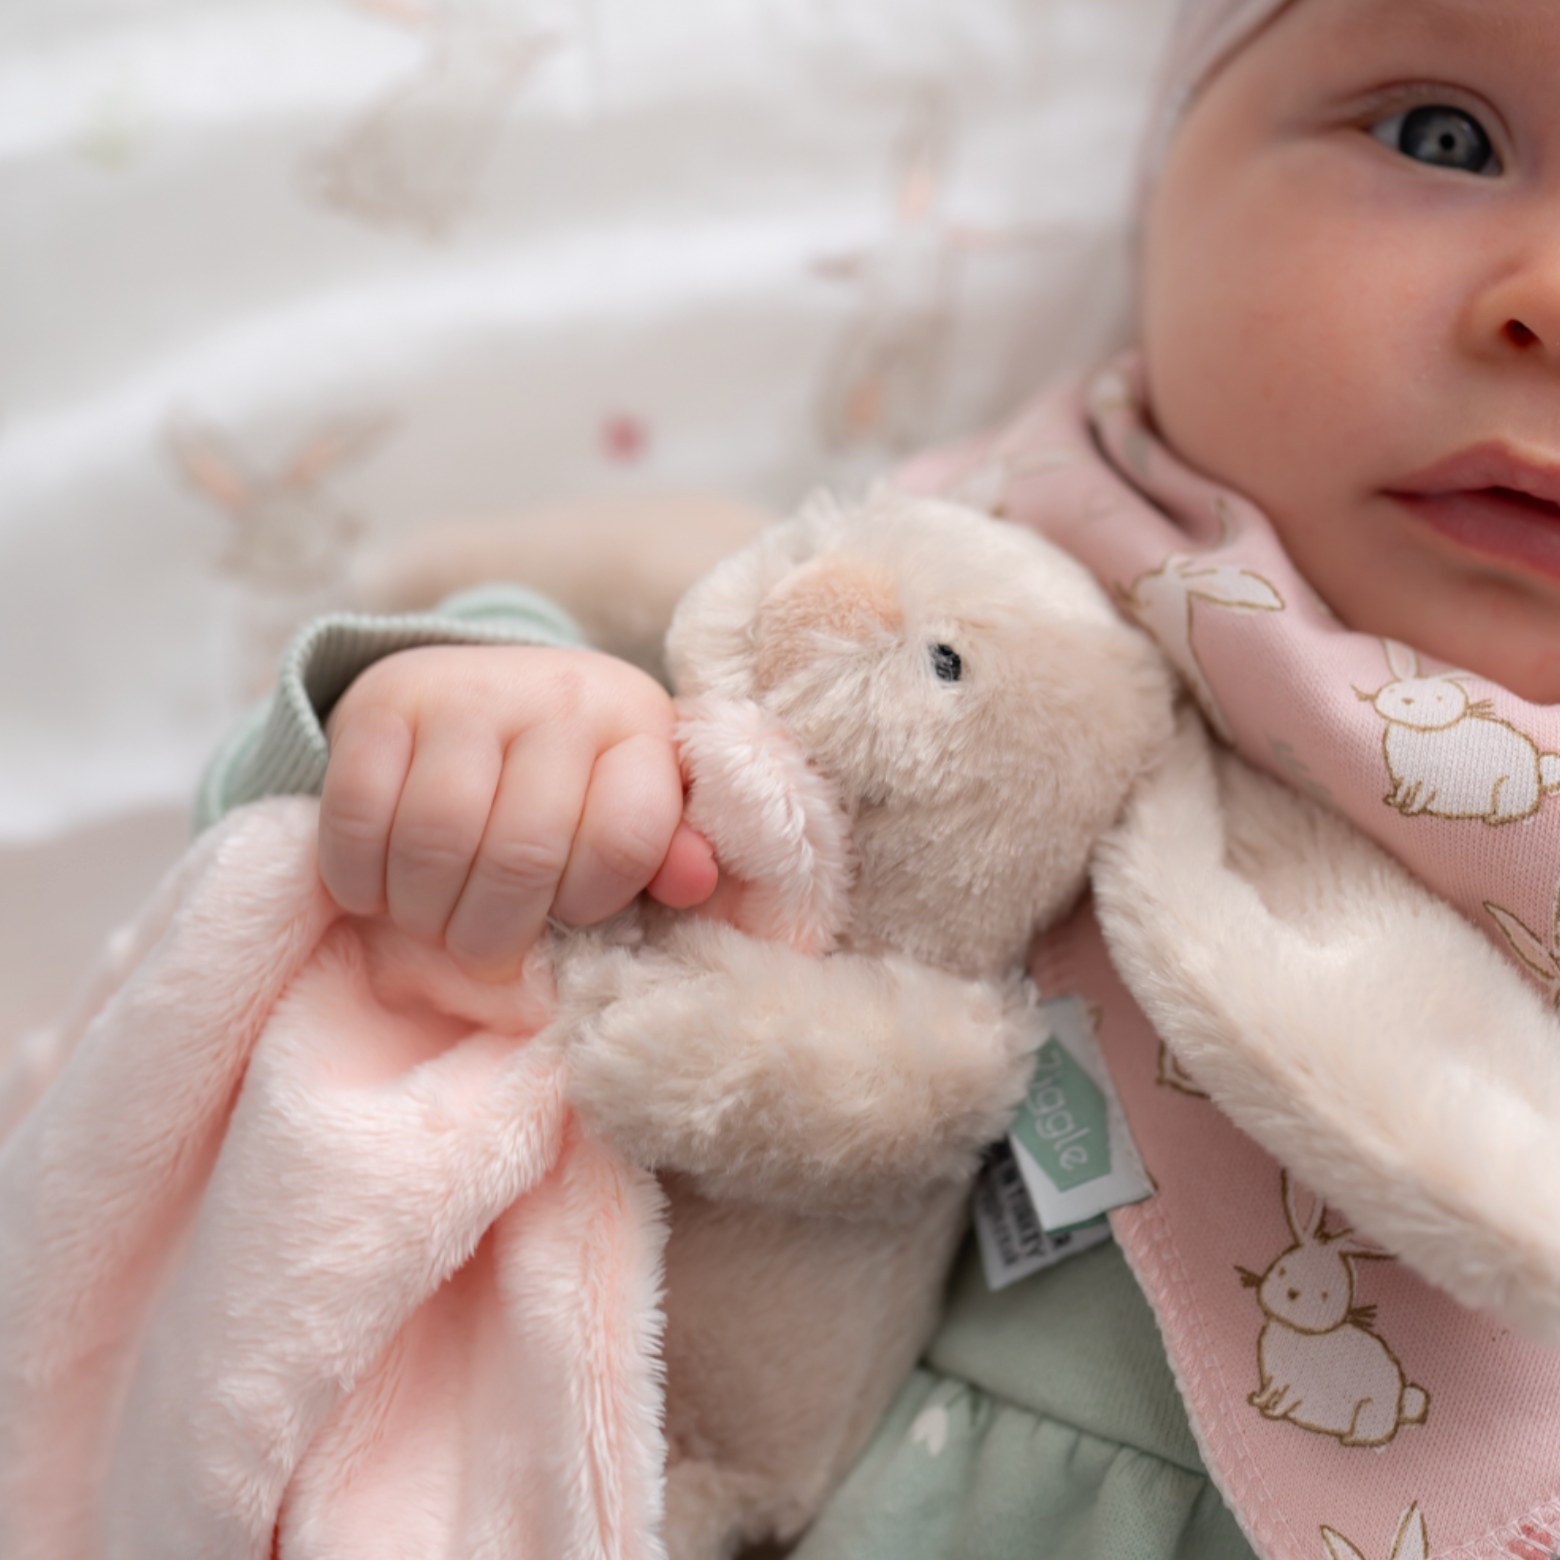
[(688, 874)]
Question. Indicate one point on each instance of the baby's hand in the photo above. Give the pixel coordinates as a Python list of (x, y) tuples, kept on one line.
[(473, 791)]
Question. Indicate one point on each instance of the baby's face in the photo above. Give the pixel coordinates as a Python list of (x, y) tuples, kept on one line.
[(1351, 312)]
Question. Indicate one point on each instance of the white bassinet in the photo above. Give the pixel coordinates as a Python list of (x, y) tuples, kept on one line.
[(287, 281)]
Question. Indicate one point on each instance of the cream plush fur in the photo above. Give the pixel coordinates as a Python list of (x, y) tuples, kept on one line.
[(1351, 1022), (304, 1256), (817, 1119), (313, 1247)]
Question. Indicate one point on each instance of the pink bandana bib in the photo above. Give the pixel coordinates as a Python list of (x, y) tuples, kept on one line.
[(1346, 1408), (1449, 773)]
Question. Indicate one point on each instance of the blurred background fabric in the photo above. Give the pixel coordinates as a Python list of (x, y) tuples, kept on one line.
[(287, 282)]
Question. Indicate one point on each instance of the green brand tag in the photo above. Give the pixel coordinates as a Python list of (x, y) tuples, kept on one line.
[(1062, 1121), (1070, 1139), (1007, 1228)]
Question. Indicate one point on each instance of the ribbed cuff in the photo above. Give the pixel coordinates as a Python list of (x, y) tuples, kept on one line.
[(280, 749)]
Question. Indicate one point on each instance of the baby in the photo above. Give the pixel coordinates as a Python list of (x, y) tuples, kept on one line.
[(1350, 366)]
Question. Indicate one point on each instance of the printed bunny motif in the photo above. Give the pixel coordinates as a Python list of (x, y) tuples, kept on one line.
[(291, 538), (1172, 1074), (882, 382), (1448, 755), (1321, 1366), (883, 378), (1539, 956), (1411, 1543), (414, 157), (290, 533), (1165, 601)]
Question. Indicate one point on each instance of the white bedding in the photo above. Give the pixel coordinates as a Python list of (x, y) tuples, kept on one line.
[(285, 280)]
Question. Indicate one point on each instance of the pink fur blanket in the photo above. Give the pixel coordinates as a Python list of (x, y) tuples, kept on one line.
[(304, 1253)]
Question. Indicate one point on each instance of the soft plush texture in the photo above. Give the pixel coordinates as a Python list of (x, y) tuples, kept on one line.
[(821, 1119), (304, 1253), (313, 1245), (1388, 1055)]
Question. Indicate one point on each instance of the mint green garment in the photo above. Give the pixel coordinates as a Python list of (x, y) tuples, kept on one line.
[(1043, 1425)]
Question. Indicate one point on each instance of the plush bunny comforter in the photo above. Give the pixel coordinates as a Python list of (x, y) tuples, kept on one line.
[(341, 1275), (305, 1252)]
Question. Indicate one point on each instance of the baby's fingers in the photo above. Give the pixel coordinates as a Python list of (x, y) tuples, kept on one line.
[(369, 760), (688, 876), (523, 851), (631, 813), (439, 824)]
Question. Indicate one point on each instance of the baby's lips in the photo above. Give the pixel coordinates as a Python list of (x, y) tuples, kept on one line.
[(1489, 467)]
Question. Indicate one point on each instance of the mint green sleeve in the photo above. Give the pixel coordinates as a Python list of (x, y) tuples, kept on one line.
[(280, 747)]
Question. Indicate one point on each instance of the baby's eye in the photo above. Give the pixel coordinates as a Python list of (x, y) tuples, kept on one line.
[(1443, 136)]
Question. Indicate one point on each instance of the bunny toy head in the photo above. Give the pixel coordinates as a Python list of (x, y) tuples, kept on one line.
[(967, 693)]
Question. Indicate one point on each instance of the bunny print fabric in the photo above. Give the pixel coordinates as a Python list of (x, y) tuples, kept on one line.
[(1343, 1404)]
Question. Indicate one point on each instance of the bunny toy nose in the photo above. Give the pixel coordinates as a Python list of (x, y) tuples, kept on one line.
[(829, 599)]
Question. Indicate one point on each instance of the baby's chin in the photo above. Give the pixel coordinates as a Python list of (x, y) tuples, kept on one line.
[(1443, 586)]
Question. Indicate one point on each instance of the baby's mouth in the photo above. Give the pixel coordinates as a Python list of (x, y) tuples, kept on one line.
[(1492, 503)]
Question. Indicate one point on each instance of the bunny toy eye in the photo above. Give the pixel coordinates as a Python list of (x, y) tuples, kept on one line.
[(947, 663)]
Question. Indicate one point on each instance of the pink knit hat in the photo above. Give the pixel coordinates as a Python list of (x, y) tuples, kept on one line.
[(1206, 32)]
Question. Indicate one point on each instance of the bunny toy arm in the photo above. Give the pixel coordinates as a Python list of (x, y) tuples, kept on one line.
[(838, 1084)]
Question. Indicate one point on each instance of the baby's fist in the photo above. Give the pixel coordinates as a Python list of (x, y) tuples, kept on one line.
[(474, 791)]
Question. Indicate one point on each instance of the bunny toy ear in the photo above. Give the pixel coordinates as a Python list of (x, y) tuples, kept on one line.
[(772, 820)]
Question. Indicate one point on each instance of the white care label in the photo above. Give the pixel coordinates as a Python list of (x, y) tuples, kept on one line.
[(1012, 1243), (1068, 1158)]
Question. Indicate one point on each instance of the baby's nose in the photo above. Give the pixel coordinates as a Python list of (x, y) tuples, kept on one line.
[(1516, 318)]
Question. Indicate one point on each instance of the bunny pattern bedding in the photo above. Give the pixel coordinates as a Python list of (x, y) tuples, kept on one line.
[(288, 281)]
